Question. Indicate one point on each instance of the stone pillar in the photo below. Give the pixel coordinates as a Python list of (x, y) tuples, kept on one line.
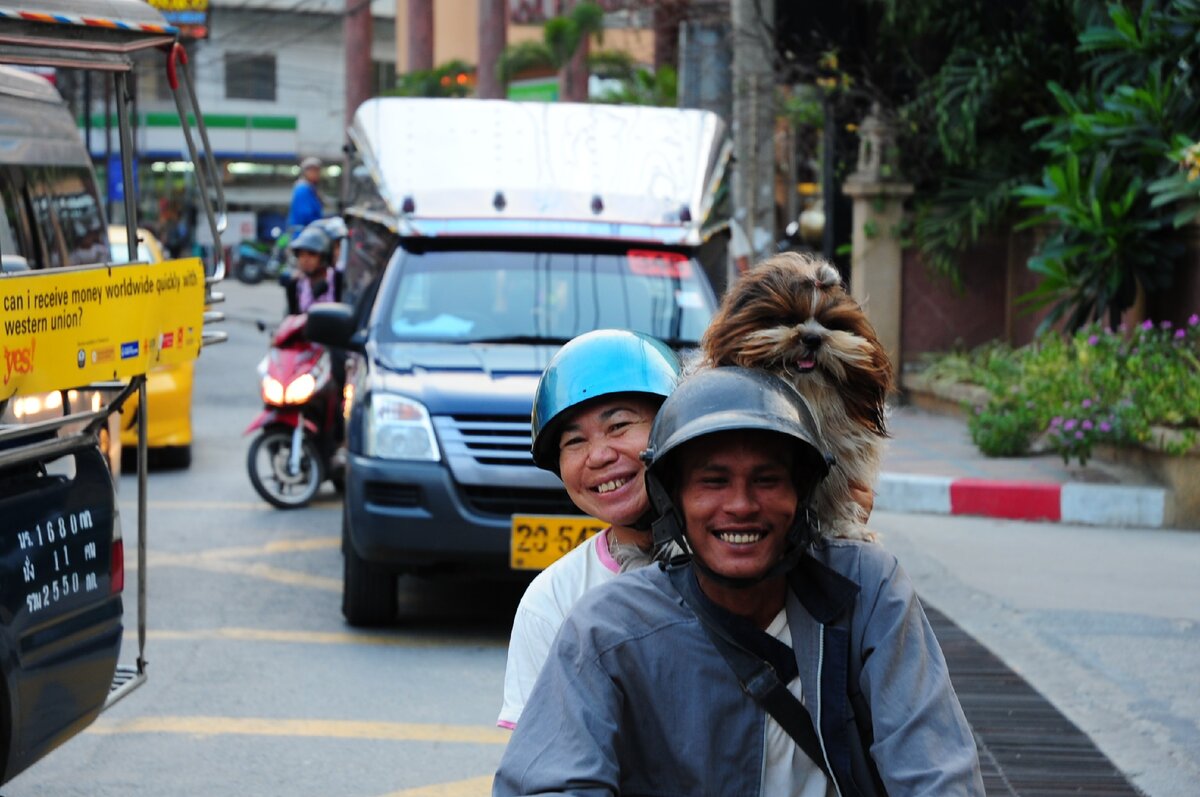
[(876, 277), (754, 122)]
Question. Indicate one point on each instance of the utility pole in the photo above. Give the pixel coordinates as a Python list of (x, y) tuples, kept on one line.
[(493, 36), (357, 37), (754, 121), (420, 35)]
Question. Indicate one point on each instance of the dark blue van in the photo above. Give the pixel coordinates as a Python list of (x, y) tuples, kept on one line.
[(469, 266)]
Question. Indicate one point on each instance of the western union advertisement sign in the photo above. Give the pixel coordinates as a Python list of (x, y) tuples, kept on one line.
[(66, 328)]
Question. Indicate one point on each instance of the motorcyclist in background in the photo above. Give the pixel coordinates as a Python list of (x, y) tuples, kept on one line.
[(315, 279)]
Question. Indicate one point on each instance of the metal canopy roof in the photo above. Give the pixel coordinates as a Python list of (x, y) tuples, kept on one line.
[(85, 34), (494, 167)]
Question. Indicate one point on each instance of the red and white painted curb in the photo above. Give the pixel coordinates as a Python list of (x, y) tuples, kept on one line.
[(1086, 504)]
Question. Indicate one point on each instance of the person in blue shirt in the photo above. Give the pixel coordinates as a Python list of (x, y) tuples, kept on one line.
[(306, 206)]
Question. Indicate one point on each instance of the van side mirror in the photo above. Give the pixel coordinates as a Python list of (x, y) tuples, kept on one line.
[(13, 264), (332, 324)]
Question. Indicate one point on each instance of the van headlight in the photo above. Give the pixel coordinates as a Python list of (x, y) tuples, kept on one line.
[(400, 429)]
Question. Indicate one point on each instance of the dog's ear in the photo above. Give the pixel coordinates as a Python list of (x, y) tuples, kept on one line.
[(828, 276)]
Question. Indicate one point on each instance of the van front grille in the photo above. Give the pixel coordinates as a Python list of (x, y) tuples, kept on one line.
[(488, 439), (506, 501)]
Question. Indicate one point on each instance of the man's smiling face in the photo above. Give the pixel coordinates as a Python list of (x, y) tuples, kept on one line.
[(738, 499)]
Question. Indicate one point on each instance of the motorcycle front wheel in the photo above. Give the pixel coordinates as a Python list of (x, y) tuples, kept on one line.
[(267, 462), (250, 272)]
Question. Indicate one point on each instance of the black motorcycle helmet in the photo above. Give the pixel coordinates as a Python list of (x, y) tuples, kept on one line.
[(733, 399)]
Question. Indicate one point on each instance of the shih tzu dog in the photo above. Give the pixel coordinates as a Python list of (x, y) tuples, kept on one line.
[(791, 315)]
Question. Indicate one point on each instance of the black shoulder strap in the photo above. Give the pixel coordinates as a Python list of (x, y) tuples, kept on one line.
[(758, 678)]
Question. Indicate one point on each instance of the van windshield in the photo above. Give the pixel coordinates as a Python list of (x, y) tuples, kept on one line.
[(489, 296)]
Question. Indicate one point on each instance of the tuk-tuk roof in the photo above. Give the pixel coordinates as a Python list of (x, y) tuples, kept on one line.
[(84, 34), (495, 167)]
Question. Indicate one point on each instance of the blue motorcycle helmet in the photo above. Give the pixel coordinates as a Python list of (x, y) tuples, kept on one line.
[(600, 363)]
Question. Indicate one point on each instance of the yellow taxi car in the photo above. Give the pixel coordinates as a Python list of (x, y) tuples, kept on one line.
[(168, 387)]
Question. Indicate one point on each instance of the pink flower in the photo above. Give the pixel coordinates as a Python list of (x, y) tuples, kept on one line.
[(1069, 425), (1180, 334), (1056, 420), (1086, 403), (1087, 425), (1147, 324), (1079, 435), (1105, 426), (1093, 340), (1193, 319)]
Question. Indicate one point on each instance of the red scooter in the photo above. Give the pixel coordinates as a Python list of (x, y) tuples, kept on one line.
[(297, 440)]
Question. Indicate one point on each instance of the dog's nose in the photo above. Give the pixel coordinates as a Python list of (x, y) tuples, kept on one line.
[(811, 340)]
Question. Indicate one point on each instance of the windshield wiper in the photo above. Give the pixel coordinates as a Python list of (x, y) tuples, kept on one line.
[(528, 340)]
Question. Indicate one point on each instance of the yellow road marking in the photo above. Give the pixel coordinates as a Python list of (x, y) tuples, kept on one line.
[(324, 729), (278, 546), (257, 570), (472, 787), (320, 638)]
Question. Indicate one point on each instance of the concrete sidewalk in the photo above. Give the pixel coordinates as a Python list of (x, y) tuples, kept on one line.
[(932, 466)]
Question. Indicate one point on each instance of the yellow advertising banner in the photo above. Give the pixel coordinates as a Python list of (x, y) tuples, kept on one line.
[(65, 328)]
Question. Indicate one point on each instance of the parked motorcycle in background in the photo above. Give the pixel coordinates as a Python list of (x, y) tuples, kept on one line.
[(298, 429), (256, 260)]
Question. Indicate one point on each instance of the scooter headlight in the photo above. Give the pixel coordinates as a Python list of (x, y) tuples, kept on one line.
[(300, 389), (400, 428), (272, 390)]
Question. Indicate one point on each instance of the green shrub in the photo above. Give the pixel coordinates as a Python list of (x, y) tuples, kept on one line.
[(1071, 393)]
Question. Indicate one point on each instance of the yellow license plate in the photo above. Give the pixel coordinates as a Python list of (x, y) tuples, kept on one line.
[(539, 540)]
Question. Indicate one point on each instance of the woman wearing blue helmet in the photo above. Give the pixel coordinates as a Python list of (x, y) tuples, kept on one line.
[(592, 413)]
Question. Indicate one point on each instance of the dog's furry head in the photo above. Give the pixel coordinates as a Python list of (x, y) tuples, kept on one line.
[(791, 315)]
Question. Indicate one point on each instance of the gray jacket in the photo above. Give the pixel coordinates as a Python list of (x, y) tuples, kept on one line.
[(635, 700)]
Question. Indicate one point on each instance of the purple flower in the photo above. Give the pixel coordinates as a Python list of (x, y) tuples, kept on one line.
[(1165, 325), (1180, 334), (1193, 319), (1087, 426), (1069, 425), (1093, 340), (1105, 426), (1122, 327), (1079, 435), (1147, 324), (1086, 403), (1056, 420)]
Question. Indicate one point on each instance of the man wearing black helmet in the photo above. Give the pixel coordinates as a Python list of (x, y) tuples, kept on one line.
[(774, 662)]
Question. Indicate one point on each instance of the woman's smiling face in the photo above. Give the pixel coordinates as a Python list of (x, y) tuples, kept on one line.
[(598, 457)]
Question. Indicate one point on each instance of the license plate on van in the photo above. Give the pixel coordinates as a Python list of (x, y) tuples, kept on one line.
[(540, 540)]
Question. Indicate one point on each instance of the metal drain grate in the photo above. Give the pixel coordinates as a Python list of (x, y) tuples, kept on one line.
[(1027, 748)]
